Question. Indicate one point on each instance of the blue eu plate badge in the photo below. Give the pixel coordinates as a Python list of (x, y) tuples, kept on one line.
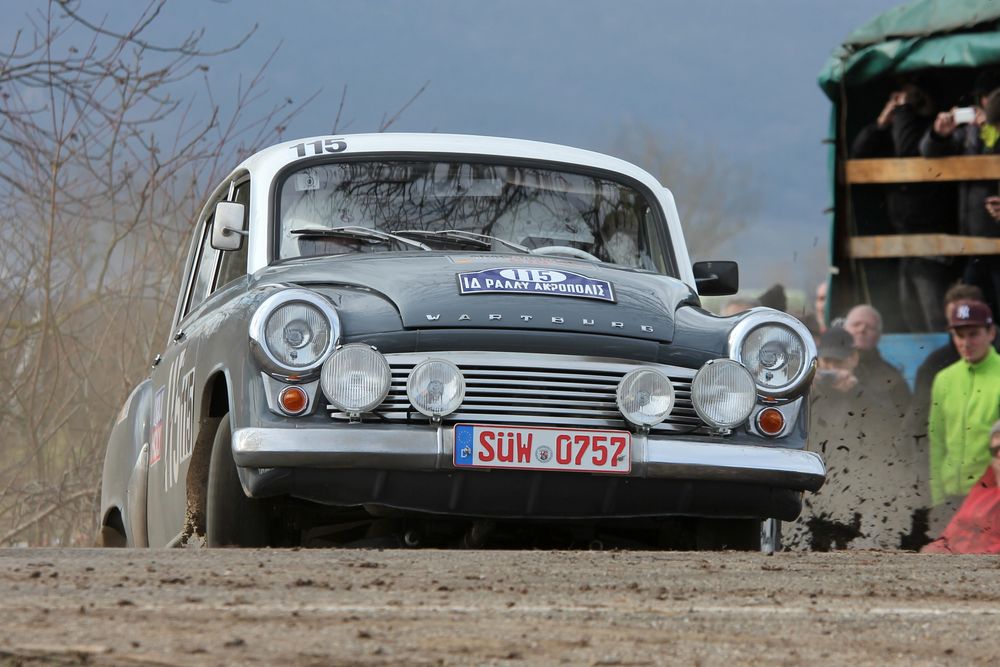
[(541, 282), (463, 445)]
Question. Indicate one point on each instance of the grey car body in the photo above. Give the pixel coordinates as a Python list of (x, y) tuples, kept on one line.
[(540, 359)]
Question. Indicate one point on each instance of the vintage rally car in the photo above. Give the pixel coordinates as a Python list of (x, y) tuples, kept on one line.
[(438, 339)]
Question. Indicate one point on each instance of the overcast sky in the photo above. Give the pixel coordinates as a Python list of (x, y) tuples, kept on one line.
[(738, 76)]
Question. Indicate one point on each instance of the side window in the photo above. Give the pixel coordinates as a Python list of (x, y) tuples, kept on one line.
[(204, 269), (234, 262)]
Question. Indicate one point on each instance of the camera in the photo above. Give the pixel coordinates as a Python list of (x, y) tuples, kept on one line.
[(964, 115), (825, 378)]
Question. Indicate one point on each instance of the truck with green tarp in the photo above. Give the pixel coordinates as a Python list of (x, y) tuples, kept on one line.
[(946, 45)]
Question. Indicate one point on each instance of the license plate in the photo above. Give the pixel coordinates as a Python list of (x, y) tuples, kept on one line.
[(540, 448)]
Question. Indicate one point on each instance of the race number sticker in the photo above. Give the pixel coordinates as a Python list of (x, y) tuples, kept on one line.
[(172, 432), (541, 282), (319, 147), (180, 432)]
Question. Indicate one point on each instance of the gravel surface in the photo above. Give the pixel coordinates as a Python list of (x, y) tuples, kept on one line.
[(371, 607)]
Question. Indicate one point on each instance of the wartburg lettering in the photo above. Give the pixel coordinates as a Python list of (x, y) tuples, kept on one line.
[(535, 281), (492, 317)]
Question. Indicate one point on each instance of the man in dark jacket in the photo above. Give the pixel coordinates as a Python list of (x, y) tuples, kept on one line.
[(950, 135), (887, 391), (913, 208)]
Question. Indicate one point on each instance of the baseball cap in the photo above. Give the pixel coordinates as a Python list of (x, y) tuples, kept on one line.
[(836, 343), (970, 314)]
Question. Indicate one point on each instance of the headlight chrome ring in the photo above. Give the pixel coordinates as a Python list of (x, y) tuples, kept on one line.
[(777, 350), (293, 332)]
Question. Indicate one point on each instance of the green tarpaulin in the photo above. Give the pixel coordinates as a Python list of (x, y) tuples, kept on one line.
[(918, 35)]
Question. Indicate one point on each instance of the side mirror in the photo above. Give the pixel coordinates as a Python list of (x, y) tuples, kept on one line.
[(717, 278), (227, 226)]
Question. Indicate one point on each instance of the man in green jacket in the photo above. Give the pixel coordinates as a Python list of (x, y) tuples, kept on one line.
[(965, 402)]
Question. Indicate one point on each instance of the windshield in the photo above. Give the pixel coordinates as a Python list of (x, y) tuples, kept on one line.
[(327, 209)]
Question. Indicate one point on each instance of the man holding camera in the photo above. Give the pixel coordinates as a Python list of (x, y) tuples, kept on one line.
[(974, 131), (867, 499)]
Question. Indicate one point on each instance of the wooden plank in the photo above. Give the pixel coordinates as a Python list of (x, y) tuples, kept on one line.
[(921, 169), (921, 245)]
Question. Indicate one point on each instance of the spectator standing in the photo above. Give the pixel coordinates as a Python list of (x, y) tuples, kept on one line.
[(949, 136), (915, 425), (975, 528), (866, 501), (887, 389), (945, 355), (965, 403), (913, 208)]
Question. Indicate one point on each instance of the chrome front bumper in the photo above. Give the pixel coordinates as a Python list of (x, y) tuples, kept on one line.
[(398, 447)]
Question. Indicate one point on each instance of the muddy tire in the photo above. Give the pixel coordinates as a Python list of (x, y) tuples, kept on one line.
[(232, 519)]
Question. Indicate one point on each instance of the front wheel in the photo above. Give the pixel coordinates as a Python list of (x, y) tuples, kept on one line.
[(232, 519)]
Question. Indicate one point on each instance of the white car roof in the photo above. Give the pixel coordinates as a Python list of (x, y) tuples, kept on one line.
[(274, 158)]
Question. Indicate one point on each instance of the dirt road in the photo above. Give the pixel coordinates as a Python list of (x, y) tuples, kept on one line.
[(369, 607)]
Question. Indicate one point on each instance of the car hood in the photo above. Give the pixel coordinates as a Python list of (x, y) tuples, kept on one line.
[(527, 292)]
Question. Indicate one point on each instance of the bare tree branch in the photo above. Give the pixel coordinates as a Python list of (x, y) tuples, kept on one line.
[(386, 124), (188, 47)]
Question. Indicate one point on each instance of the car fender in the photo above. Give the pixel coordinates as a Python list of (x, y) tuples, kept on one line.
[(123, 481)]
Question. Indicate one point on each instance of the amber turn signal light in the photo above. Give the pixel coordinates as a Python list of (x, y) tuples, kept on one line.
[(293, 400), (770, 421)]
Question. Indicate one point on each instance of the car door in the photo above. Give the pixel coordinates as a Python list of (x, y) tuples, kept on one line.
[(172, 421), (176, 381)]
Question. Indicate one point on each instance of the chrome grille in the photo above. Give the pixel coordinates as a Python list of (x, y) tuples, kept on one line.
[(536, 390)]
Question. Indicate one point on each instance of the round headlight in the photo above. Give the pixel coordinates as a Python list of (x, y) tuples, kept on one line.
[(297, 334), (723, 393), (645, 397), (356, 378), (436, 387), (776, 348), (293, 332)]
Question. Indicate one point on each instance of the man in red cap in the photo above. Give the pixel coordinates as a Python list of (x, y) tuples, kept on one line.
[(965, 402)]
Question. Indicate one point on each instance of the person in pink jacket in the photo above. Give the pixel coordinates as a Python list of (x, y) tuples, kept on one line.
[(975, 528)]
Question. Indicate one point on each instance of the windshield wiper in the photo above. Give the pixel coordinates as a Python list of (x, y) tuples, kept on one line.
[(357, 232), (483, 241)]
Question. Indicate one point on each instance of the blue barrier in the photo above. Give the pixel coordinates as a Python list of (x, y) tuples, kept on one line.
[(906, 351)]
